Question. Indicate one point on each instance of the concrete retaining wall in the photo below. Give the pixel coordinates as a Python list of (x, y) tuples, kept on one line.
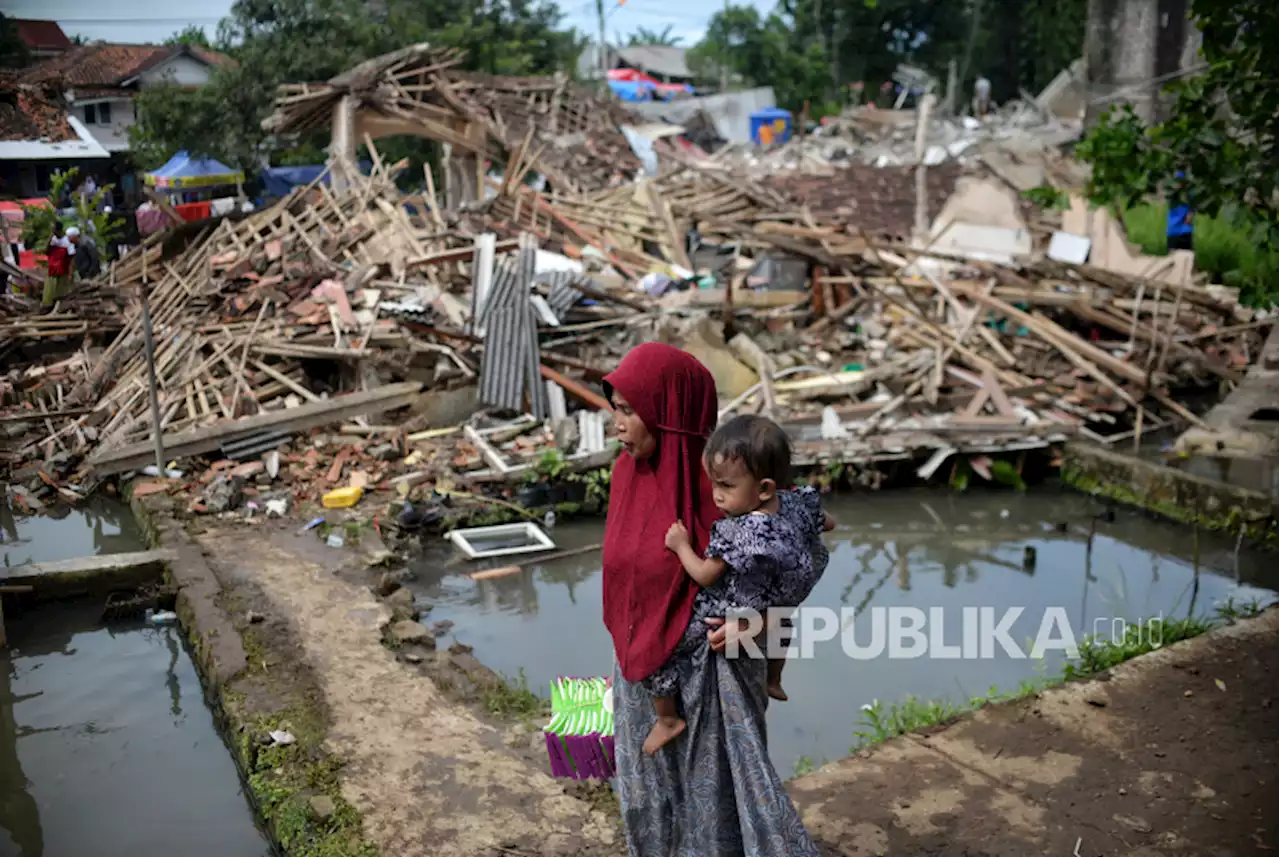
[(1170, 493)]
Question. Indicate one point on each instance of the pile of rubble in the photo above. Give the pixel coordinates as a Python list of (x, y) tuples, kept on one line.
[(280, 336)]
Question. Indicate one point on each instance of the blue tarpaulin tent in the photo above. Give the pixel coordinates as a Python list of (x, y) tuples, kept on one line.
[(278, 181), (183, 172), (632, 90), (643, 90)]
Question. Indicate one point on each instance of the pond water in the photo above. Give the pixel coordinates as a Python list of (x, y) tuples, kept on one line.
[(106, 744), (918, 549), (101, 526)]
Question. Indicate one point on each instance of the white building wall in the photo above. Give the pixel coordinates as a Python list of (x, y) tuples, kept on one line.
[(183, 71), (730, 112), (114, 136)]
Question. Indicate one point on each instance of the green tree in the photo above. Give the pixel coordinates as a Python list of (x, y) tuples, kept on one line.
[(88, 215), (759, 52), (13, 51), (1217, 149), (645, 36), (1022, 44), (190, 35)]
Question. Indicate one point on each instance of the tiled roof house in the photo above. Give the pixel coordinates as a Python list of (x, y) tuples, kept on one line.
[(43, 39), (100, 81)]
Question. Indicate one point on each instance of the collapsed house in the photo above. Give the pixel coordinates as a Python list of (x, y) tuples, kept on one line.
[(281, 337)]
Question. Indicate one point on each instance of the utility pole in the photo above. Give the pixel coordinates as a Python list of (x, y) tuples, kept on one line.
[(604, 50), (724, 56)]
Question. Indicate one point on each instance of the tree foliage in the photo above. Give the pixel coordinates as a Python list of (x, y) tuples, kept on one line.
[(13, 51), (645, 36), (190, 35), (760, 51), (818, 50), (89, 214), (1217, 149)]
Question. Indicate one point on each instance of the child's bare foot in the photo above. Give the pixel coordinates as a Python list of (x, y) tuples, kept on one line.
[(776, 692), (662, 733)]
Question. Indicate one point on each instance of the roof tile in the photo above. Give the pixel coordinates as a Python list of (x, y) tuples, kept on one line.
[(41, 35), (29, 112), (107, 64)]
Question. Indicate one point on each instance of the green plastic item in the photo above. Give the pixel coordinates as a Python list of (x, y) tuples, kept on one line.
[(579, 737)]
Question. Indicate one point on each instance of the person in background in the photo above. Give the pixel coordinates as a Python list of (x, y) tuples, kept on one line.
[(57, 281), (87, 262), (1179, 230), (981, 97)]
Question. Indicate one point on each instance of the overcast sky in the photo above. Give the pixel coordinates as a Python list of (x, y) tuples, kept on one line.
[(147, 21)]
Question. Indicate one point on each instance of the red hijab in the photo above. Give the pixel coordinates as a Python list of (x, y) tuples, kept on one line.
[(648, 597)]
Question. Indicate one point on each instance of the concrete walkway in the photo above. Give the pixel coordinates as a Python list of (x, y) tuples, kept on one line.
[(429, 778), (1158, 759)]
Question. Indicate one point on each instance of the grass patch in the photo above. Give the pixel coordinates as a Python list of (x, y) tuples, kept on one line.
[(512, 699), (1147, 226), (1097, 655), (879, 722), (1224, 250), (804, 765), (284, 778)]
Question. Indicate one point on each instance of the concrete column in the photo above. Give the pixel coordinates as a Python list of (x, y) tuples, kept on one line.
[(1120, 50), (342, 144)]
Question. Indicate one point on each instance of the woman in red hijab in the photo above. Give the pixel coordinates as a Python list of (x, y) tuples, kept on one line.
[(702, 795)]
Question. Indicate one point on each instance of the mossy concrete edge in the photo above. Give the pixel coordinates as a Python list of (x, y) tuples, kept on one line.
[(1170, 493), (221, 655)]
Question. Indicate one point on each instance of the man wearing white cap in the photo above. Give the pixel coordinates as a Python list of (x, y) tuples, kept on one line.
[(85, 253)]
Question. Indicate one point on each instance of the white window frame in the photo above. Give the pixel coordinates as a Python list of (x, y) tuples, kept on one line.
[(462, 539)]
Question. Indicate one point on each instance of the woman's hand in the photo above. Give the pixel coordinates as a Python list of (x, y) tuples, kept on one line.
[(677, 537), (719, 638)]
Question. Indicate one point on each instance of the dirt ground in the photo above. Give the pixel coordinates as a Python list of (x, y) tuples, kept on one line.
[(1156, 759)]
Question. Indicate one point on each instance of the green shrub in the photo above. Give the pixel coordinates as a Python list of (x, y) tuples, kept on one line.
[(1228, 251), (1147, 226)]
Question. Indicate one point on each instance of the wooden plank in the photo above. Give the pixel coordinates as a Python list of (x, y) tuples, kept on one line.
[(210, 438)]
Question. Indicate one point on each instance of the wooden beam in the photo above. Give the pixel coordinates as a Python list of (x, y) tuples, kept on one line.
[(211, 438)]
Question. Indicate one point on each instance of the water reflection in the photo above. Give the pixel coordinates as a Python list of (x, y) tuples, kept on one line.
[(130, 770), (100, 526), (917, 549), (19, 814)]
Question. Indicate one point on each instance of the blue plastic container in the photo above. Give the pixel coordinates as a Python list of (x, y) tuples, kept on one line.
[(770, 125)]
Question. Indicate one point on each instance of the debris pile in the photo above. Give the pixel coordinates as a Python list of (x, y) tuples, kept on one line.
[(565, 133), (280, 335)]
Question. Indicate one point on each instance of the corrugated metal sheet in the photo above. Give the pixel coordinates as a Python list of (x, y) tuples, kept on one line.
[(511, 367), (561, 294)]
